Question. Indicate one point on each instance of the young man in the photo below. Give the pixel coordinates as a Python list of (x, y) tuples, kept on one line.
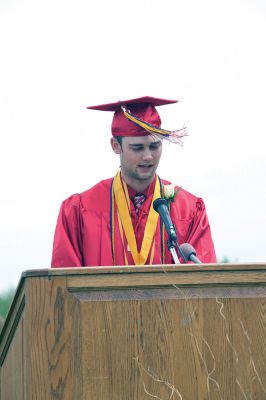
[(114, 222)]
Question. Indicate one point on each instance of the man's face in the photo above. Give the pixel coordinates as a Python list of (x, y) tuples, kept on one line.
[(139, 157)]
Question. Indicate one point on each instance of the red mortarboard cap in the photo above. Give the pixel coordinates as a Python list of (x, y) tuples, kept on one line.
[(143, 108), (140, 100)]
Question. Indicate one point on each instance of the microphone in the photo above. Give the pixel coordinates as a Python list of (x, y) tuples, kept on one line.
[(189, 253), (160, 205)]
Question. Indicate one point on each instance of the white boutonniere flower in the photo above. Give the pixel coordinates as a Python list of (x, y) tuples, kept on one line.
[(169, 192)]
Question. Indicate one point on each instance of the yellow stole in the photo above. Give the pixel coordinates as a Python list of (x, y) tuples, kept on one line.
[(120, 194)]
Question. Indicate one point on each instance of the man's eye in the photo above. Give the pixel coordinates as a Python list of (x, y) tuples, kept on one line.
[(154, 147), (137, 149)]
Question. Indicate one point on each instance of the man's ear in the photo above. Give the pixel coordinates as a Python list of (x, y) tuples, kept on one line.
[(116, 146)]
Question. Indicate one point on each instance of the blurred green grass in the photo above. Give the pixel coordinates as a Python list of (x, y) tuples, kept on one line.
[(6, 298)]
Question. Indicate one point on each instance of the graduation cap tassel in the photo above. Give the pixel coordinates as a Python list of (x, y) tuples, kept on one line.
[(172, 136)]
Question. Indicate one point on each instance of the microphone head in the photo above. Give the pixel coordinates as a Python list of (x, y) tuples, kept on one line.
[(159, 202), (187, 250)]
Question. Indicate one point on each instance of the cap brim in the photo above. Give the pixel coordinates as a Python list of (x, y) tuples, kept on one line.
[(140, 100)]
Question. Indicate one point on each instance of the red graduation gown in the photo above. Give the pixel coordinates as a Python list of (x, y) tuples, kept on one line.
[(83, 233)]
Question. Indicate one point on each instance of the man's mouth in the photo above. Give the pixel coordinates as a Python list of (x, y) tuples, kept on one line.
[(145, 165)]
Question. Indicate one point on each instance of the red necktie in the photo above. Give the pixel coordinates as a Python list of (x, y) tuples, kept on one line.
[(138, 200)]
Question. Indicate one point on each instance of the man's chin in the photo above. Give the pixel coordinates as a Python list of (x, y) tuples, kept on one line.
[(144, 176)]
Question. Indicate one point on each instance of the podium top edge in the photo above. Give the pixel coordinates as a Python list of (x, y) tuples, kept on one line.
[(49, 272)]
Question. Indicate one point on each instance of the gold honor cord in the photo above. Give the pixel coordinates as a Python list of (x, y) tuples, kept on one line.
[(139, 258), (121, 229), (112, 226), (122, 238)]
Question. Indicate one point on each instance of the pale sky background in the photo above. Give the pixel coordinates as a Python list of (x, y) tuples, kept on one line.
[(57, 57)]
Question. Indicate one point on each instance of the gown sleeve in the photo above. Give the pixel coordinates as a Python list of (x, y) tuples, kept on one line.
[(199, 234), (67, 246)]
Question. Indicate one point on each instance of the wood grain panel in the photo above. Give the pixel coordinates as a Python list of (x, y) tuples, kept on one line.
[(136, 335), (12, 371), (49, 366), (191, 347), (165, 279)]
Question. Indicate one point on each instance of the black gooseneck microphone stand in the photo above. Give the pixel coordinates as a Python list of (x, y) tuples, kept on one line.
[(172, 244), (160, 205)]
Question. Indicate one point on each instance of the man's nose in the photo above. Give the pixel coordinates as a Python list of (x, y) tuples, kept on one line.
[(147, 155)]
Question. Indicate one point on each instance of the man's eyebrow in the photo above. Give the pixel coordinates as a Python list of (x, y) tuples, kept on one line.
[(141, 144), (155, 143), (136, 145)]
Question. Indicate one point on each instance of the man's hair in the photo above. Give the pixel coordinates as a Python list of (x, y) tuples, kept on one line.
[(119, 139)]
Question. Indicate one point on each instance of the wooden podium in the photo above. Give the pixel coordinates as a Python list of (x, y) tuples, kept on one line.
[(137, 333)]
